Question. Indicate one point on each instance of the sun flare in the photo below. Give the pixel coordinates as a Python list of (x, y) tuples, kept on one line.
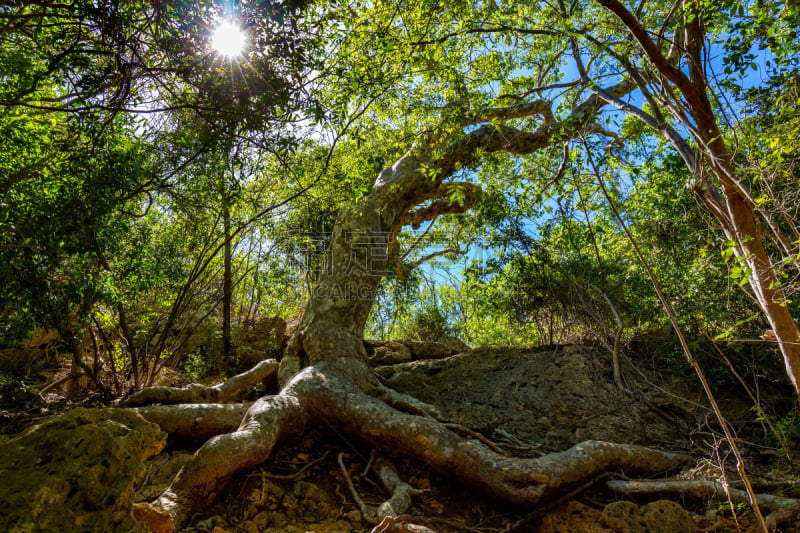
[(228, 39)]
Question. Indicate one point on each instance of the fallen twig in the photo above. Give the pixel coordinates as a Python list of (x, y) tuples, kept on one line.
[(294, 475)]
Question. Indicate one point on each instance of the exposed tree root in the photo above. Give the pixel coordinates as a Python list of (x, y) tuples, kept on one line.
[(268, 421), (389, 515), (777, 518), (195, 393), (458, 428), (781, 509), (293, 475), (699, 489), (331, 391), (366, 514), (392, 524), (401, 492), (526, 481), (402, 402), (195, 420), (552, 504)]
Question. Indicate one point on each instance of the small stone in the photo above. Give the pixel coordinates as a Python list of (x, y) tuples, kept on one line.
[(617, 515), (250, 526), (538, 477), (308, 491)]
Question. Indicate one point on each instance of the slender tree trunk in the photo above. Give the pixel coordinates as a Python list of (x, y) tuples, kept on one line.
[(746, 230), (227, 297)]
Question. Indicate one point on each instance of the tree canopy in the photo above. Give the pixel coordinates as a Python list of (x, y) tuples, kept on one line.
[(128, 141)]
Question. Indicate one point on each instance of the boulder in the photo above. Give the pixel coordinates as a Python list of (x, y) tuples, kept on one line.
[(429, 350), (382, 353), (260, 340), (455, 344), (264, 335), (35, 353), (546, 397), (387, 352), (76, 472)]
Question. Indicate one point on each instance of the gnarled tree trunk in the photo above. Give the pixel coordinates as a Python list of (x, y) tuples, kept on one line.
[(323, 372)]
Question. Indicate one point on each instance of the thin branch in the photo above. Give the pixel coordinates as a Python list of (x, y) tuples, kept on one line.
[(682, 338)]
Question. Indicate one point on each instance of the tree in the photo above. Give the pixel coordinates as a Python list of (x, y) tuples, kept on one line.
[(717, 180), (323, 372)]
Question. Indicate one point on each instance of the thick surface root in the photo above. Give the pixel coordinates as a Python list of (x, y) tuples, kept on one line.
[(332, 393), (524, 481), (195, 420), (699, 489), (224, 392), (267, 422), (403, 402)]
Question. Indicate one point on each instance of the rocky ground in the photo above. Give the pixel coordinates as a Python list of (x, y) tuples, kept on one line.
[(527, 402)]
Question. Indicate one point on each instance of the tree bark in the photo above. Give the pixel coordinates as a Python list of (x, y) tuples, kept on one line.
[(195, 420), (700, 490), (194, 393), (227, 288)]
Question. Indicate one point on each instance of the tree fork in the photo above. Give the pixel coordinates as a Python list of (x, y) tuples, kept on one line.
[(268, 421)]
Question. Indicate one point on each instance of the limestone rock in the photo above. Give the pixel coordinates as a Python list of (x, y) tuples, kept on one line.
[(429, 350), (265, 335), (76, 472), (387, 352), (549, 398), (260, 340), (572, 517), (160, 472), (33, 354), (455, 344), (249, 358)]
